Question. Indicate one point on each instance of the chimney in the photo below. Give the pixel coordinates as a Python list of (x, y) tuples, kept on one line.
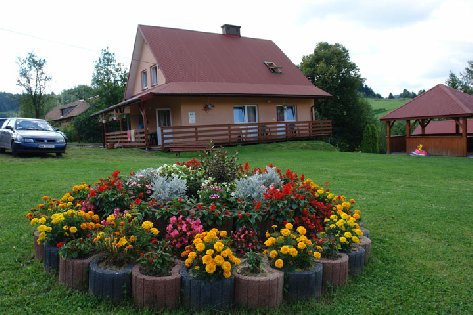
[(228, 29)]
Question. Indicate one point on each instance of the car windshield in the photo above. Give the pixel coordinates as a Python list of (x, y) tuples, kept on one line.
[(33, 125)]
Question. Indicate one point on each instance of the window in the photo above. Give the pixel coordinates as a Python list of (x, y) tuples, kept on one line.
[(286, 113), (273, 67), (245, 114), (144, 80), (154, 75)]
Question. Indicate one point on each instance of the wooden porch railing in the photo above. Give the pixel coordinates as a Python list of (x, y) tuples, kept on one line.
[(129, 138), (231, 134)]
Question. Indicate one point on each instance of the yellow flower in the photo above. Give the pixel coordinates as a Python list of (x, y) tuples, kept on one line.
[(285, 232), (155, 231), (192, 255), (197, 241), (45, 198), (301, 230), (227, 252), (227, 274), (317, 255), (301, 245), (111, 218), (207, 259), (219, 260), (219, 246), (270, 242), (133, 238), (279, 263), (347, 234), (44, 228), (210, 252), (210, 268), (34, 221), (333, 217), (343, 240), (122, 241), (288, 226), (57, 217), (226, 266), (188, 262), (284, 249), (223, 233), (355, 239), (147, 225), (359, 232), (293, 252), (73, 229), (273, 253), (200, 247)]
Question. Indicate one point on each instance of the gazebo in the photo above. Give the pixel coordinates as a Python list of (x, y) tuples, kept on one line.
[(441, 116)]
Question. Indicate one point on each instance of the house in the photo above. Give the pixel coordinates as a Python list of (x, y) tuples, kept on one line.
[(441, 120), (63, 114), (191, 87)]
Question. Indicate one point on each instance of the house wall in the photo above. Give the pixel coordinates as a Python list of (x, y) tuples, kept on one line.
[(146, 61)]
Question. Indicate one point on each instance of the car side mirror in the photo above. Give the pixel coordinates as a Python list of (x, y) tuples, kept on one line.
[(9, 127)]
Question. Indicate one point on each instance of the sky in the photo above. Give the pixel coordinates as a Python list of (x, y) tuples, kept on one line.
[(396, 44)]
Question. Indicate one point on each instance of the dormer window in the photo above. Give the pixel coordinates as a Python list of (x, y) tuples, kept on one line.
[(144, 80), (154, 75), (273, 67)]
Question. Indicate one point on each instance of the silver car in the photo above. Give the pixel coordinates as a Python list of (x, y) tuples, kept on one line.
[(31, 135)]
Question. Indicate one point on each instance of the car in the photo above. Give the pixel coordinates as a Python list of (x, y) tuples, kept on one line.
[(2, 120), (31, 135)]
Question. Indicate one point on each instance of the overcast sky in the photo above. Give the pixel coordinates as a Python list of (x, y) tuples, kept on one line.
[(396, 44)]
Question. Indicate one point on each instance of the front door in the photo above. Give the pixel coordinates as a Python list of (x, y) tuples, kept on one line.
[(163, 117)]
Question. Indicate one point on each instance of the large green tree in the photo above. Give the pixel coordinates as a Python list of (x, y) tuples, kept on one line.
[(80, 92), (33, 80), (331, 69), (463, 81)]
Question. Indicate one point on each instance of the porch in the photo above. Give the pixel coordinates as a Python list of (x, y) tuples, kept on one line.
[(199, 136)]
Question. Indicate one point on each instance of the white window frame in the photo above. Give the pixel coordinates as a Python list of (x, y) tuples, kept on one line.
[(154, 79), (285, 112), (246, 114), (144, 80)]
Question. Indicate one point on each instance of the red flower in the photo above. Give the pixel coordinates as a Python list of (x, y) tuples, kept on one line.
[(115, 173), (60, 244), (137, 201), (212, 207), (92, 193)]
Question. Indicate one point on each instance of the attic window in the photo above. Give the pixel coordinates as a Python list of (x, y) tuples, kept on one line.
[(273, 67), (66, 111)]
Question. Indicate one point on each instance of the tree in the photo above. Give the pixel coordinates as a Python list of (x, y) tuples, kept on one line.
[(108, 80), (80, 92), (370, 143), (463, 82), (331, 69), (366, 91), (32, 79), (390, 96)]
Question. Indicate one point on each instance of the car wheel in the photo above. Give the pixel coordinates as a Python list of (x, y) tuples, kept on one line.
[(14, 151), (2, 150), (59, 154)]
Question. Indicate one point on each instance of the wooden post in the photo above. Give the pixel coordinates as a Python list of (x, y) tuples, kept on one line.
[(388, 137), (145, 123), (104, 124), (465, 136), (457, 126), (408, 128)]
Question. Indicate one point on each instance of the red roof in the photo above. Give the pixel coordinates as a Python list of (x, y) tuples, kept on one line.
[(439, 101), (442, 127), (207, 63)]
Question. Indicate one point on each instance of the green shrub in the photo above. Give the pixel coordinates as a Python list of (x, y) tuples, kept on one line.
[(369, 143)]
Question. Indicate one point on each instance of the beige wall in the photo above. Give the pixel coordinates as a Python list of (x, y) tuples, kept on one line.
[(222, 112), (146, 61)]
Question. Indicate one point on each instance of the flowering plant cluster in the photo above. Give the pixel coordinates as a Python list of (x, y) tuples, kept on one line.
[(181, 231), (78, 248), (245, 239), (210, 255), (290, 249), (341, 232), (123, 238), (157, 262)]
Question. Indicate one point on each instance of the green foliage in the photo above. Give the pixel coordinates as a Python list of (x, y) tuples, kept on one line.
[(390, 96), (370, 144), (366, 91), (78, 248), (331, 69), (108, 80), (158, 262), (254, 261), (33, 80), (463, 82), (9, 102), (87, 129), (80, 92), (406, 94), (219, 165)]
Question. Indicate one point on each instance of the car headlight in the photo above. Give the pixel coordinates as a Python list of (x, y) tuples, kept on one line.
[(60, 140), (27, 140)]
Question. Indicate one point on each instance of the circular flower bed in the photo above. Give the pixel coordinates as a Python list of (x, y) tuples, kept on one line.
[(210, 213)]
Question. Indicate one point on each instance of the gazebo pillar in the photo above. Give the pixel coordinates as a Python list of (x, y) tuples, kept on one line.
[(408, 128), (145, 123), (465, 135), (388, 137)]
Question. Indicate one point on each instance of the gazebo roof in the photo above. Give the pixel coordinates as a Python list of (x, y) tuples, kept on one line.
[(439, 102)]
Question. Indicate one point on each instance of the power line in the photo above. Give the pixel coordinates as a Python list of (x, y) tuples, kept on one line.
[(66, 44)]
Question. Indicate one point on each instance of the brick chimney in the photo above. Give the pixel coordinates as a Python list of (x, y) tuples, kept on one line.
[(228, 29)]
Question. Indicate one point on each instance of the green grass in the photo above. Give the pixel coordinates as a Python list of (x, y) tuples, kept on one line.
[(417, 210), (383, 106)]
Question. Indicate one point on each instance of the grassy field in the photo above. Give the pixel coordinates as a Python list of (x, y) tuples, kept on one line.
[(417, 210), (383, 106)]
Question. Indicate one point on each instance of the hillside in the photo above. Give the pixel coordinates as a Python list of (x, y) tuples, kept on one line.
[(383, 106), (9, 104)]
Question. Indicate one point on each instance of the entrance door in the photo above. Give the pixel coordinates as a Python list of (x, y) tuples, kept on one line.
[(163, 117)]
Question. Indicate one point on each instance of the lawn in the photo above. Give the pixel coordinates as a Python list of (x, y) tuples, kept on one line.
[(383, 106), (417, 210)]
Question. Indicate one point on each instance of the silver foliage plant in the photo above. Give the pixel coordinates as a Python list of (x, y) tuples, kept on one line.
[(167, 188), (253, 187)]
